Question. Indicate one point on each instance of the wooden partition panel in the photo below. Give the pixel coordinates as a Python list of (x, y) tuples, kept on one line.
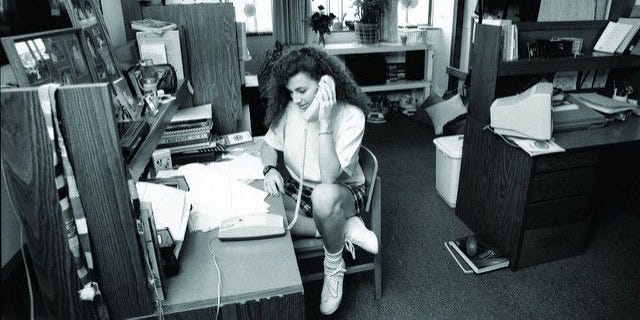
[(29, 170), (212, 50), (91, 138), (484, 75)]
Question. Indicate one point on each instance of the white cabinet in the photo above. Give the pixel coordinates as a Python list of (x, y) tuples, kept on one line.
[(389, 49)]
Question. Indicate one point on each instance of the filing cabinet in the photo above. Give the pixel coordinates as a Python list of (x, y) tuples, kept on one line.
[(556, 217)]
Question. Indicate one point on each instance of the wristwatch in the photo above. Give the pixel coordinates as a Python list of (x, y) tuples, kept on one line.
[(267, 168)]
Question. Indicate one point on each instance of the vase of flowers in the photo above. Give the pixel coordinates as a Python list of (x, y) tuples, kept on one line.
[(320, 23)]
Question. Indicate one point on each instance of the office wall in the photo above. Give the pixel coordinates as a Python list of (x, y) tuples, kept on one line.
[(443, 14)]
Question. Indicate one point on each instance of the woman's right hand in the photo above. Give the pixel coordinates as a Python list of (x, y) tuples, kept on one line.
[(273, 183)]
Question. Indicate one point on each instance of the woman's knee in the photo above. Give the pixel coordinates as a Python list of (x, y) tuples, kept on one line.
[(326, 200)]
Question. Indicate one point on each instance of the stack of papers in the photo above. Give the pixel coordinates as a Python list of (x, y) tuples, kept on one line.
[(216, 196), (600, 103), (171, 207)]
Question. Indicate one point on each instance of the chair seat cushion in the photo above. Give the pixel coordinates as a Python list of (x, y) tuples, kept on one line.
[(308, 244)]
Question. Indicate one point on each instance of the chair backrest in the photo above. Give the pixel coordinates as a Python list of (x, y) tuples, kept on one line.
[(369, 164)]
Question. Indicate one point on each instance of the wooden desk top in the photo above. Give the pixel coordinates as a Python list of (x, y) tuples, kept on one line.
[(251, 269), (611, 134)]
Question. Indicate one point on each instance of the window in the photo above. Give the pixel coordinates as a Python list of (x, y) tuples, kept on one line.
[(420, 15), (255, 13)]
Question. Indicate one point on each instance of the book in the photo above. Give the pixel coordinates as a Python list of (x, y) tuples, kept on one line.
[(184, 141), (635, 26), (612, 37), (193, 114), (485, 258), (153, 25)]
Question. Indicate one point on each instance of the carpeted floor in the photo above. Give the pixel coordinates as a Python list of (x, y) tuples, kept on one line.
[(421, 280)]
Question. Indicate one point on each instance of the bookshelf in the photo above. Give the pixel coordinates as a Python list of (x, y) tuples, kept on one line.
[(538, 209), (389, 48)]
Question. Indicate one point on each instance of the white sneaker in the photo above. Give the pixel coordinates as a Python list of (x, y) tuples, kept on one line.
[(355, 232), (332, 287)]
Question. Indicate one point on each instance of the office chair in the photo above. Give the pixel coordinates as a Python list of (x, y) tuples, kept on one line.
[(308, 248)]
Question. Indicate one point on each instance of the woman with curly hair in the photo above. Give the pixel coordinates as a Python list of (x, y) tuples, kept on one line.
[(326, 191)]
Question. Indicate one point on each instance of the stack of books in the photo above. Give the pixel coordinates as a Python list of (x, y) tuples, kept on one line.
[(156, 26), (396, 67), (509, 37), (475, 254), (189, 130)]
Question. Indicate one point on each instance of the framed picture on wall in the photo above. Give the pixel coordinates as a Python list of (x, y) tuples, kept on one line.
[(51, 56)]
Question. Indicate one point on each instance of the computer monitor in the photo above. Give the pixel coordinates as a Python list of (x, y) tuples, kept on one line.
[(525, 115)]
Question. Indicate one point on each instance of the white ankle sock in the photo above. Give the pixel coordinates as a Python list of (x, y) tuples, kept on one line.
[(333, 257)]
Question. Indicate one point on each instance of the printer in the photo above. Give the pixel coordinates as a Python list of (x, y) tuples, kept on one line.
[(525, 115)]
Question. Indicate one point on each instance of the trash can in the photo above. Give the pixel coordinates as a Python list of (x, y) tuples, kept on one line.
[(448, 158)]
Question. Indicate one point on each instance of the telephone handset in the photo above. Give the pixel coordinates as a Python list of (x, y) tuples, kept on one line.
[(311, 113)]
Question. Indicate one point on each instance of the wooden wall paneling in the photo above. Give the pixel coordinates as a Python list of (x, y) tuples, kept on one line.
[(210, 31), (29, 170), (486, 57), (131, 11), (92, 140), (492, 165)]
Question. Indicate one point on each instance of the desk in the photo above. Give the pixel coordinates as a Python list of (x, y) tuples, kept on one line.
[(260, 278), (538, 209)]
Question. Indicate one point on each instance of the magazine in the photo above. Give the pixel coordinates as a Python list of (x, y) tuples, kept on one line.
[(484, 257), (153, 25)]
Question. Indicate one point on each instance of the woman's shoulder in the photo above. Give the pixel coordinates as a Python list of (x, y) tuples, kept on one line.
[(352, 112)]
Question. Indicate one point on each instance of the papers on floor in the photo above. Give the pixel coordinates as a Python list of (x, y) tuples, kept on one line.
[(171, 207), (216, 196), (537, 147)]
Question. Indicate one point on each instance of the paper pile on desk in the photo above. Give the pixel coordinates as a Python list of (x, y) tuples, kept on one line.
[(171, 207), (215, 196), (242, 168)]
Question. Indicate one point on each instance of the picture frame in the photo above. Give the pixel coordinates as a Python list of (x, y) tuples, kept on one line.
[(50, 56), (86, 15)]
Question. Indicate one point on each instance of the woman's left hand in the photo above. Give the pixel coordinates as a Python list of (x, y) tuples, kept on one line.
[(327, 95)]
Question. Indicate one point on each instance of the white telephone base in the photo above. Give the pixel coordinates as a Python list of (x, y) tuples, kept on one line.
[(252, 226)]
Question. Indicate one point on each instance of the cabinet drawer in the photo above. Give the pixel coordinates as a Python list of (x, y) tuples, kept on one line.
[(561, 184), (552, 243), (559, 211), (562, 161)]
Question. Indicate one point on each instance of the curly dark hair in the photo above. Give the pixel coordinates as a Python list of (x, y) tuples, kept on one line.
[(315, 63)]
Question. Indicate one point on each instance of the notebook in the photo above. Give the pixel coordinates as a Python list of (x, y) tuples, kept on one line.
[(574, 117), (612, 37)]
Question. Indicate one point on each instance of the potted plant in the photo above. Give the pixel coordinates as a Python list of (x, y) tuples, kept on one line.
[(370, 13)]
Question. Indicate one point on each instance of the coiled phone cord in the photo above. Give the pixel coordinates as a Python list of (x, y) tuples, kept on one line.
[(301, 179)]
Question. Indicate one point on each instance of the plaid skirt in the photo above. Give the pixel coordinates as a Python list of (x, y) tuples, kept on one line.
[(359, 193)]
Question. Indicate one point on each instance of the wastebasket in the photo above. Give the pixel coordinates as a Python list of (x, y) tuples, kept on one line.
[(448, 157)]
